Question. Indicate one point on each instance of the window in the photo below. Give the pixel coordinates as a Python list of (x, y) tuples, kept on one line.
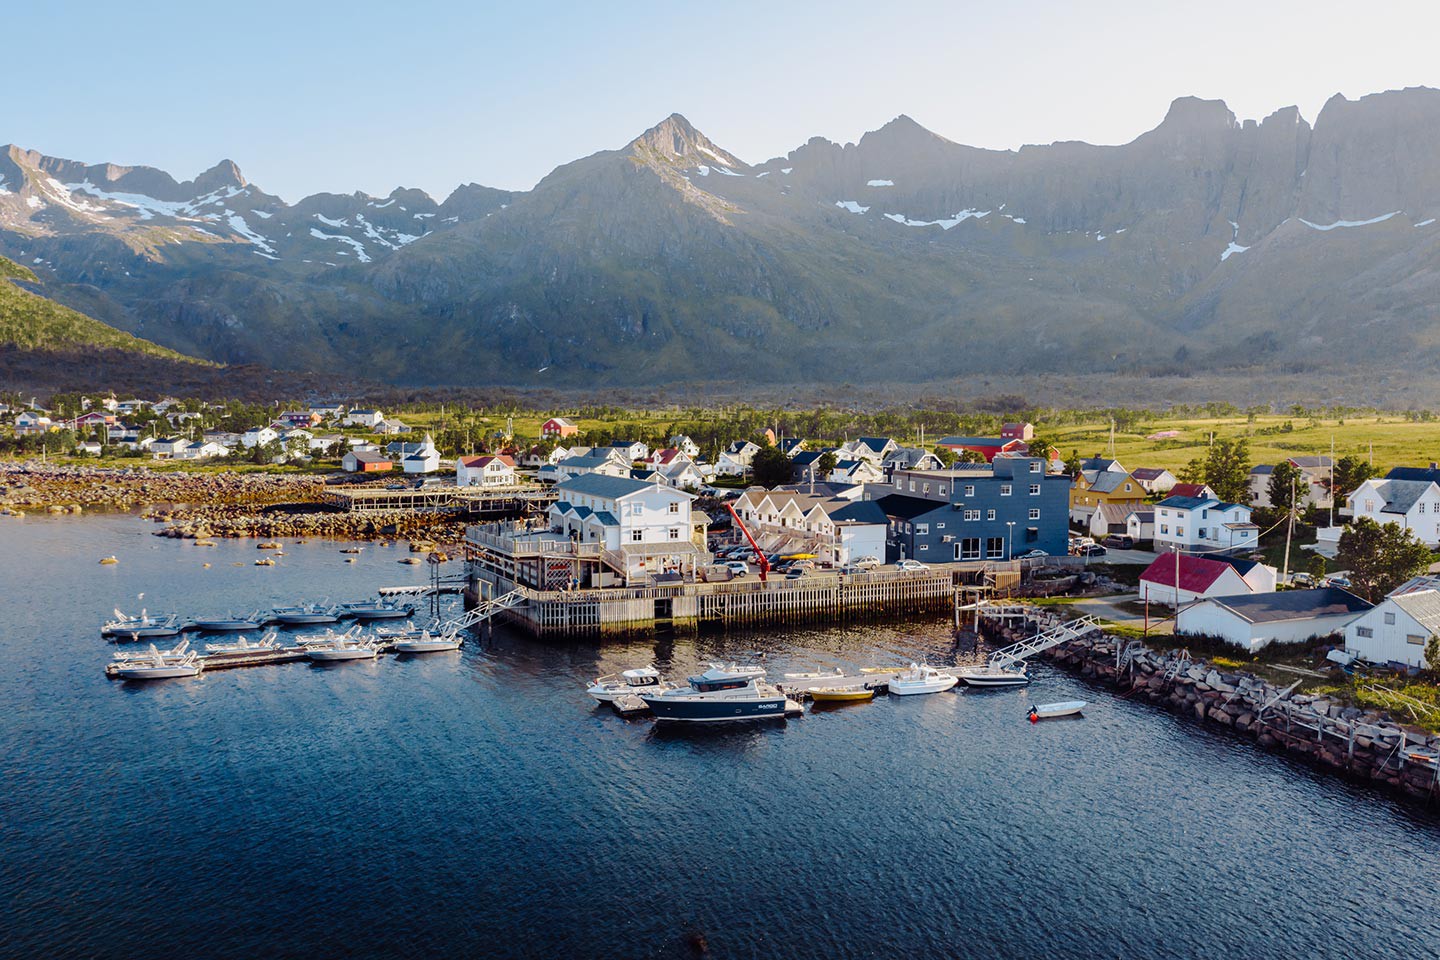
[(674, 533), (1032, 534), (972, 514), (939, 526), (1364, 632), (912, 486), (969, 489), (1369, 506), (1034, 514), (899, 483), (1004, 489), (1204, 514), (970, 548), (1422, 508), (924, 488), (1415, 638), (1179, 531), (922, 528), (907, 526), (942, 489), (1034, 466), (1389, 619), (1128, 488), (1034, 489), (989, 514), (1202, 533), (923, 546), (637, 535), (994, 548), (639, 509), (674, 508)]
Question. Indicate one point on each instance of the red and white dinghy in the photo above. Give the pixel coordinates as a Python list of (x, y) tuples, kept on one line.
[(1052, 711)]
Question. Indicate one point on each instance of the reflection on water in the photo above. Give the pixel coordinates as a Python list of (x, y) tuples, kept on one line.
[(477, 803)]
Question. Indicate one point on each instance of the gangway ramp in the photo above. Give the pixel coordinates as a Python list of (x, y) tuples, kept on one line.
[(1017, 653)]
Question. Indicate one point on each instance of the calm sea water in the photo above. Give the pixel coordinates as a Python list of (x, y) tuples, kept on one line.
[(477, 804)]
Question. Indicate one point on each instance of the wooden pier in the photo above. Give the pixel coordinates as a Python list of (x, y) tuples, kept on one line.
[(481, 502)]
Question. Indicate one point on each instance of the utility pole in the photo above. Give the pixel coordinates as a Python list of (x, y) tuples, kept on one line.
[(1289, 529), (1332, 479)]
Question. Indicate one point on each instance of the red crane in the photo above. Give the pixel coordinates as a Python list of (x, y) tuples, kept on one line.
[(760, 560)]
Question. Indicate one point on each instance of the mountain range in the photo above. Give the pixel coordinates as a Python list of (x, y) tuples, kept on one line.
[(1206, 245)]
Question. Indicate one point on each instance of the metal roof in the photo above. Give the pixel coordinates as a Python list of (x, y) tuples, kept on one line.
[(599, 485), (1294, 604), (1423, 605)]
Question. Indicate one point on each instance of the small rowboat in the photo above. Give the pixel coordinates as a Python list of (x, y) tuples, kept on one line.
[(1049, 711), (841, 694)]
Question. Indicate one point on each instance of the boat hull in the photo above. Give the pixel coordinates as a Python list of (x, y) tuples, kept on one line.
[(226, 626), (157, 673), (841, 696), (306, 619), (686, 710), (333, 656), (381, 614), (144, 633), (929, 686), (426, 646), (994, 679)]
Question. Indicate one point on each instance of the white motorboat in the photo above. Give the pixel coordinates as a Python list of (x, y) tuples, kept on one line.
[(1049, 711), (159, 666), (241, 645), (639, 681), (143, 627), (177, 652), (311, 614), (428, 643), (378, 610), (717, 670), (343, 647), (991, 676), (718, 700), (825, 675), (231, 623), (921, 679)]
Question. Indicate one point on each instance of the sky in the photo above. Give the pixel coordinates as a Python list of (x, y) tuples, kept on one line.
[(314, 96)]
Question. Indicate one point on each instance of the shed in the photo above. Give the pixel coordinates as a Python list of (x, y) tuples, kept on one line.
[(1256, 620)]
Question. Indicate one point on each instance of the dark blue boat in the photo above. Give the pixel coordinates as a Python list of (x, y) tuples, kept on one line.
[(718, 700)]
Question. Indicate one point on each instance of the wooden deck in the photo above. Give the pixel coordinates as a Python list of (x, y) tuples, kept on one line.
[(477, 501)]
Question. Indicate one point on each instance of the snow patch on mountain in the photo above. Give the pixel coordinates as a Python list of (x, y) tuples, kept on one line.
[(727, 171), (262, 214), (331, 223), (850, 205), (703, 170), (944, 224), (879, 183), (238, 224), (360, 253), (1425, 223), (1349, 223)]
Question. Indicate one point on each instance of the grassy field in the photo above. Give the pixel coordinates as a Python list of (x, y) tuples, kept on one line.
[(1396, 441)]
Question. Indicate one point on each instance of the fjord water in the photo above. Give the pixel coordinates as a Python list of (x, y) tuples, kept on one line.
[(477, 804)]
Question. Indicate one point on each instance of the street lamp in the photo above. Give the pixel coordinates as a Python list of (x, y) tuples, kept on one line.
[(1010, 539)]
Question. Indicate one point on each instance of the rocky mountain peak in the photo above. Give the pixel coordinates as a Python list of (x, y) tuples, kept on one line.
[(223, 174), (676, 139), (1195, 115)]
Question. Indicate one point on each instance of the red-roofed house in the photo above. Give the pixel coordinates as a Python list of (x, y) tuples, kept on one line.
[(1199, 577), (557, 427), (987, 447), (489, 470), (1017, 431), (669, 457), (1200, 491)]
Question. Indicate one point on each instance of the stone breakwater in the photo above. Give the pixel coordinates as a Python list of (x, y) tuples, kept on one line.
[(237, 521), (32, 485), (1367, 745)]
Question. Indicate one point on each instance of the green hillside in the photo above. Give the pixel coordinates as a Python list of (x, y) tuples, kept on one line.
[(30, 321)]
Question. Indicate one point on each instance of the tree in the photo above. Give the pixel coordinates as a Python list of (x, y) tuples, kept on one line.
[(1286, 486), (946, 456), (770, 467), (1317, 568), (1227, 470), (1380, 557), (1072, 465), (1041, 449), (1432, 654), (1350, 472), (969, 456), (825, 464)]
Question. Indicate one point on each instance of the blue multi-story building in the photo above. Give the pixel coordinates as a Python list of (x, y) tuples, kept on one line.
[(996, 512)]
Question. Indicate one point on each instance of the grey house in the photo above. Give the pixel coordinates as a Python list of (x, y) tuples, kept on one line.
[(994, 513)]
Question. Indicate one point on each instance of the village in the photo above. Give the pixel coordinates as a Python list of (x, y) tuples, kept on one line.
[(614, 534)]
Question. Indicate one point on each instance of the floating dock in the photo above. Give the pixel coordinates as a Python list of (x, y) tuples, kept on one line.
[(481, 502)]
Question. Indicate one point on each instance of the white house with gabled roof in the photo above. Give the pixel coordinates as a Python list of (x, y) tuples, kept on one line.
[(1412, 504), (645, 528)]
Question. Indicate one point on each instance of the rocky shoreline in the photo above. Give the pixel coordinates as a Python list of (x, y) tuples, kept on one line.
[(37, 486), (1364, 745), (236, 521)]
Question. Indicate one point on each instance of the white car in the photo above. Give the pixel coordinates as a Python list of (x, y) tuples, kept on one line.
[(1033, 555), (737, 567), (911, 566), (865, 563)]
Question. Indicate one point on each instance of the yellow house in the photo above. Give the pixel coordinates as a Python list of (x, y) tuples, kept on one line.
[(1095, 487)]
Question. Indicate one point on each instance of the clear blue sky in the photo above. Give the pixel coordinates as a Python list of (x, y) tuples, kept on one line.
[(310, 95)]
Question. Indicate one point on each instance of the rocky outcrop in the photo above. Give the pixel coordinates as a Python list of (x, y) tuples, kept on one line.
[(35, 485), (1366, 745)]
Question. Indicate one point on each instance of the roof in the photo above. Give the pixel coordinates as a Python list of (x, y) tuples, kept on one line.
[(481, 460), (806, 457), (1263, 468), (1197, 574), (599, 485), (1189, 490), (1400, 495), (975, 441), (1414, 473), (1104, 464), (901, 507), (1108, 481), (1117, 512), (561, 421), (1242, 566), (875, 444), (365, 456), (1148, 473), (1185, 503), (589, 460), (1312, 463), (1423, 605), (820, 489), (860, 511), (1296, 604), (1144, 516)]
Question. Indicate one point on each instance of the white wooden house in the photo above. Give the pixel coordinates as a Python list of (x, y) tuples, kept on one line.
[(1412, 504), (1204, 525), (645, 528), (490, 470), (1397, 629)]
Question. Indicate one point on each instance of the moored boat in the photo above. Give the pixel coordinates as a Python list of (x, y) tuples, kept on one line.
[(841, 694), (143, 627), (638, 681), (160, 665), (718, 700), (921, 679), (241, 645), (230, 623), (308, 615), (988, 676), (427, 642), (343, 647), (1049, 711), (378, 610)]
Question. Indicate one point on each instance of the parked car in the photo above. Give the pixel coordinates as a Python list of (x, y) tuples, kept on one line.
[(1120, 541), (1033, 555), (1342, 582), (911, 566), (1091, 550), (795, 573), (1302, 580), (849, 568), (866, 563), (737, 567)]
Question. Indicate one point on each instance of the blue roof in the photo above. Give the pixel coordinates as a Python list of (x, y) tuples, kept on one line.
[(599, 485), (861, 511), (607, 518), (973, 441), (1185, 503)]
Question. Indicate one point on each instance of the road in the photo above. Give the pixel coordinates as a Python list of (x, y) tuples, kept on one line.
[(1107, 608)]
